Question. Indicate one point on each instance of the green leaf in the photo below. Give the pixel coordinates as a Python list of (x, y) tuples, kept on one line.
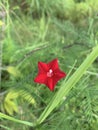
[(13, 71), (9, 104)]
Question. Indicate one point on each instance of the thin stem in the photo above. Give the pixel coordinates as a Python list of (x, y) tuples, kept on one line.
[(87, 72), (3, 93), (2, 16), (15, 120)]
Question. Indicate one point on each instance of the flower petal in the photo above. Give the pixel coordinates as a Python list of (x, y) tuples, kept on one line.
[(58, 74), (41, 78), (53, 64), (42, 67), (50, 83)]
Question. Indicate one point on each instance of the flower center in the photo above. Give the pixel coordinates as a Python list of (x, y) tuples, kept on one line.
[(50, 73)]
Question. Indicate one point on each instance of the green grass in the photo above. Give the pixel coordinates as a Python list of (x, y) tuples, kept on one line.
[(41, 31)]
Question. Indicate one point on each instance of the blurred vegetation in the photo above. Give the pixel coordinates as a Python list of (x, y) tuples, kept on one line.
[(41, 30)]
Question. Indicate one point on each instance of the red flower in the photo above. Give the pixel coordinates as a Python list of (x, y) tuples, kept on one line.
[(49, 74)]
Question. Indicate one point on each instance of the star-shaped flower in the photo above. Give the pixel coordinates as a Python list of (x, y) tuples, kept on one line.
[(49, 74)]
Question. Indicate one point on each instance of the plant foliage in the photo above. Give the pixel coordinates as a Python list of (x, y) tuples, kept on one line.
[(42, 30)]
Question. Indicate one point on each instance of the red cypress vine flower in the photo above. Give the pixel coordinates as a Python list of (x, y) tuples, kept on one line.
[(49, 74)]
